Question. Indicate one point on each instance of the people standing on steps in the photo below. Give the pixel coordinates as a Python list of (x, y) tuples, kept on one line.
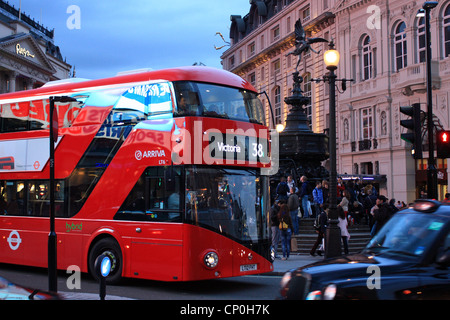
[(293, 204)]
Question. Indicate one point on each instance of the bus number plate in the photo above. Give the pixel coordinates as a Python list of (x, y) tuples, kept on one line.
[(249, 267)]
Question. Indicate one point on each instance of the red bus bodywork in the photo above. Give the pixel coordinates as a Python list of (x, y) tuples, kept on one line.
[(149, 250)]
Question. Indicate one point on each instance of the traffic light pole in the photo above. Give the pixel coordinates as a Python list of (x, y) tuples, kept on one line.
[(432, 192)]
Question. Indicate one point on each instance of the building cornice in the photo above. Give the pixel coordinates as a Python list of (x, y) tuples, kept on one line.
[(265, 55), (346, 5), (315, 25), (321, 22)]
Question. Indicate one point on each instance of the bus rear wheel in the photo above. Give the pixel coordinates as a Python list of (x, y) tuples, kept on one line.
[(109, 247)]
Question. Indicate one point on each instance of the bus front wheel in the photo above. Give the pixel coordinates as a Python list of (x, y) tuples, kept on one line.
[(109, 247)]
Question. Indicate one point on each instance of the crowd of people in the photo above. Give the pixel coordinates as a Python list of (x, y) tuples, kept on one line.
[(356, 204)]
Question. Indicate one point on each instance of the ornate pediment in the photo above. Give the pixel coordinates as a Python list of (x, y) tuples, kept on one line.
[(22, 49)]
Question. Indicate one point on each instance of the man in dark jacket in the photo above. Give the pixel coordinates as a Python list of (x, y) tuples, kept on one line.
[(369, 201), (322, 220), (382, 214), (282, 190), (274, 223), (304, 196)]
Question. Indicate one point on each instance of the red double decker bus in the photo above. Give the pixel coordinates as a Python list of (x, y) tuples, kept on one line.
[(163, 171)]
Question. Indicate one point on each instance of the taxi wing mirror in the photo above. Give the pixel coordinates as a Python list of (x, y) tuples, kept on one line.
[(444, 258)]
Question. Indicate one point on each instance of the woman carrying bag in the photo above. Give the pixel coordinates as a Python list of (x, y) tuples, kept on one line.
[(285, 226)]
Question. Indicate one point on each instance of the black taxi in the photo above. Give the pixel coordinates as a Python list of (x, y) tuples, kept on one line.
[(409, 258)]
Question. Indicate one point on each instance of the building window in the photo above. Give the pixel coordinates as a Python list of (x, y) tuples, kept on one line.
[(400, 46), (307, 93), (367, 59), (447, 31), (277, 99), (276, 67), (231, 62), (421, 42), (367, 123), (251, 49), (306, 14), (252, 79), (275, 33)]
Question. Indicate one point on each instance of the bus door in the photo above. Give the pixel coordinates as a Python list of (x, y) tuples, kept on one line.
[(156, 240)]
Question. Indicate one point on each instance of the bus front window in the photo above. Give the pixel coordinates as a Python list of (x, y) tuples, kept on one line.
[(233, 202), (202, 99)]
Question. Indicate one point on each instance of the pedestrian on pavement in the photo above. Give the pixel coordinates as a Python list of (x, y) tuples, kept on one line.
[(356, 211), (345, 201), (381, 215), (293, 204), (291, 184), (282, 190), (343, 225), (318, 198), (304, 196), (369, 202), (446, 199), (320, 227), (274, 225), (285, 227), (325, 189)]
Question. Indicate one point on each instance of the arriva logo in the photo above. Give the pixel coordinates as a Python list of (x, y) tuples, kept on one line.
[(149, 154), (73, 226)]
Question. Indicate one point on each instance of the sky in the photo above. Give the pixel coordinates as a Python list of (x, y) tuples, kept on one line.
[(103, 37)]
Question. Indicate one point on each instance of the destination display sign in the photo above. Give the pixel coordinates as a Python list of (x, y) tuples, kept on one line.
[(238, 148)]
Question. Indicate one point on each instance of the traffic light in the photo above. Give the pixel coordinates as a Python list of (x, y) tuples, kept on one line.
[(443, 144), (414, 135)]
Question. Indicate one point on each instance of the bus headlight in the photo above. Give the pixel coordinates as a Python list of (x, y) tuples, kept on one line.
[(211, 260), (272, 254), (330, 292)]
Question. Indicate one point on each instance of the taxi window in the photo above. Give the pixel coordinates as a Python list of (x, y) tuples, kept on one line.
[(447, 242)]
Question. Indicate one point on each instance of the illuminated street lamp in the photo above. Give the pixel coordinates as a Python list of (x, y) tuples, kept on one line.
[(331, 58), (280, 128)]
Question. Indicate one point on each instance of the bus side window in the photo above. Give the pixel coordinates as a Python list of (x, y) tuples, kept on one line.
[(12, 198), (15, 117), (152, 198)]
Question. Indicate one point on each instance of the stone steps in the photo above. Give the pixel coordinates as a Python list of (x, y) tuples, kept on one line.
[(359, 237)]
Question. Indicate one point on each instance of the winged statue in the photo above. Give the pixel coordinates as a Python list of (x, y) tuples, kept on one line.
[(302, 43)]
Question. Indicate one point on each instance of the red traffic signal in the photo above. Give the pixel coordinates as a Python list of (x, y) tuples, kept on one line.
[(443, 144)]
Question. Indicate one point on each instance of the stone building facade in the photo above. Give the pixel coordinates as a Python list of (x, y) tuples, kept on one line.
[(28, 55), (382, 46)]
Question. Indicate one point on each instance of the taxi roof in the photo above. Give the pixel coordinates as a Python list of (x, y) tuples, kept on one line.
[(431, 206)]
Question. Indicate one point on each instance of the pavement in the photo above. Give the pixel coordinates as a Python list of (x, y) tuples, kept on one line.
[(280, 267)]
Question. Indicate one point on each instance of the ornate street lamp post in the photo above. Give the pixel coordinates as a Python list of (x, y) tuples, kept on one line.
[(333, 235)]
